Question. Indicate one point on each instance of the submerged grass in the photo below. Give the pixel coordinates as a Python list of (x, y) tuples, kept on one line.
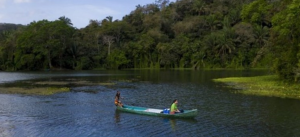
[(262, 85), (71, 83), (35, 90), (46, 87)]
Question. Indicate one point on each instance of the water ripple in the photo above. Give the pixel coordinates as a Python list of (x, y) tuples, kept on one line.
[(89, 110)]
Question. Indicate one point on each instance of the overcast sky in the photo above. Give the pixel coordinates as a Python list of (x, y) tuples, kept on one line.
[(79, 11)]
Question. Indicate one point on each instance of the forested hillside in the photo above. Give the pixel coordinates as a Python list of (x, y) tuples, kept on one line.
[(183, 34)]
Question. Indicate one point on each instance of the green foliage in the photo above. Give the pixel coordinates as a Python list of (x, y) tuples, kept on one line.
[(257, 12), (183, 34), (116, 59), (84, 63), (285, 36), (6, 27), (45, 42)]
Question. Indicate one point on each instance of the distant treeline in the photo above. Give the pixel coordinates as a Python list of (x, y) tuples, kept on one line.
[(9, 27), (183, 34)]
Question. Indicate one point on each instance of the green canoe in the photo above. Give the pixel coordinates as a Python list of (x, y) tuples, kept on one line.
[(158, 112)]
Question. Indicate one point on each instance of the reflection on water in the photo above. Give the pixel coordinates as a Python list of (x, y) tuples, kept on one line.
[(172, 123), (90, 111), (117, 116)]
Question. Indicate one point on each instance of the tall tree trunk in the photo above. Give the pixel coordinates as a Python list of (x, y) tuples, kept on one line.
[(108, 40), (108, 48), (49, 59)]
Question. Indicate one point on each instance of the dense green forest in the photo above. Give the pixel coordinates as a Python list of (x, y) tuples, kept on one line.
[(183, 34)]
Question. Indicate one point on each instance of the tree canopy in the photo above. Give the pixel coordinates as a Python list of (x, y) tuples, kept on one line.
[(183, 34)]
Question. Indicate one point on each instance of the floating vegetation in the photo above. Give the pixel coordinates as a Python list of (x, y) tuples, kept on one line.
[(262, 85), (106, 84), (71, 83), (46, 87), (49, 86), (34, 91)]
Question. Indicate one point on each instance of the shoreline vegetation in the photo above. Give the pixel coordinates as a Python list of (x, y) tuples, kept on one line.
[(269, 85)]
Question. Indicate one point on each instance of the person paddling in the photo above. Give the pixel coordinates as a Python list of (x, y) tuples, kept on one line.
[(117, 99), (174, 108)]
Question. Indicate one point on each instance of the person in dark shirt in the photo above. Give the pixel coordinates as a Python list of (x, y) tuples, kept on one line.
[(117, 99)]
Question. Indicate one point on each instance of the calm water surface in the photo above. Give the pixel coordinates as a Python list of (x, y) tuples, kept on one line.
[(88, 111)]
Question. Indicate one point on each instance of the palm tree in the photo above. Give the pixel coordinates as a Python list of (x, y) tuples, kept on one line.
[(109, 18), (199, 7), (66, 20), (234, 16), (261, 35), (224, 47), (211, 22)]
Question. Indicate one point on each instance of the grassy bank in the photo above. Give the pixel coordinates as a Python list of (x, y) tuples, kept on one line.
[(262, 86)]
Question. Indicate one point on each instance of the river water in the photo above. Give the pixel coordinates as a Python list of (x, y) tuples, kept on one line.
[(89, 111)]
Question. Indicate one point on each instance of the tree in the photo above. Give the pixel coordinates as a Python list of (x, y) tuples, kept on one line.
[(7, 49), (109, 40), (181, 50), (224, 47), (116, 59), (31, 45), (66, 20), (109, 19), (92, 35), (148, 46), (185, 33), (211, 22), (257, 12), (199, 7), (285, 37), (84, 48), (162, 4), (261, 35), (118, 29), (42, 43)]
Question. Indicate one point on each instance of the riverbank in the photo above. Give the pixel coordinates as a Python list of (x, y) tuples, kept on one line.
[(263, 86)]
